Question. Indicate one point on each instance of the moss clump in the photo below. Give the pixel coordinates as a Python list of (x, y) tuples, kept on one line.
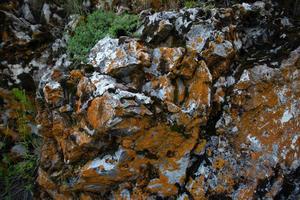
[(95, 27)]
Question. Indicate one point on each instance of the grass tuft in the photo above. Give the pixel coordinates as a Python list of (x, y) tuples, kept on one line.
[(17, 174)]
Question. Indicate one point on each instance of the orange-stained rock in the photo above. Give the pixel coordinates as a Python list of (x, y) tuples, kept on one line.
[(182, 118), (160, 88), (196, 188), (73, 144), (199, 91), (188, 64), (102, 173), (165, 60), (53, 93), (101, 112), (85, 197), (50, 157), (44, 181), (219, 58)]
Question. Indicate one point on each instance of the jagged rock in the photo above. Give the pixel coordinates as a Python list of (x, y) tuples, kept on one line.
[(27, 13), (158, 26), (176, 119), (114, 56), (254, 152), (24, 38), (198, 35), (199, 94), (165, 60), (53, 93)]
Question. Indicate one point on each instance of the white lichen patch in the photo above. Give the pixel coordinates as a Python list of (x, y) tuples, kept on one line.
[(223, 49), (247, 6), (245, 76), (102, 83), (176, 175), (255, 144), (287, 115), (53, 85), (109, 55), (107, 163), (138, 96), (197, 36)]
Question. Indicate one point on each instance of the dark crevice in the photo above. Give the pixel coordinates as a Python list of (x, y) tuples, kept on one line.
[(265, 185), (290, 188)]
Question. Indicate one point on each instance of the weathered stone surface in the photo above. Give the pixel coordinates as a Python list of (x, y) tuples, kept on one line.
[(202, 117), (114, 56), (256, 152), (27, 28)]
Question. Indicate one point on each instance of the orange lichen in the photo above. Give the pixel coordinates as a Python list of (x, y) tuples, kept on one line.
[(162, 186), (188, 64), (196, 188), (100, 112), (53, 95), (219, 163), (199, 87)]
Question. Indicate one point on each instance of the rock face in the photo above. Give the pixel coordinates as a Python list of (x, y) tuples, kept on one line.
[(192, 110), (27, 39)]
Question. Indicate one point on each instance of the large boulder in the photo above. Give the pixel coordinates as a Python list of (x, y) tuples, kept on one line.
[(202, 116)]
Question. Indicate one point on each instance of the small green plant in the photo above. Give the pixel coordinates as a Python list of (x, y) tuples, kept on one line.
[(21, 96), (194, 3), (95, 27), (18, 177), (23, 113), (190, 4)]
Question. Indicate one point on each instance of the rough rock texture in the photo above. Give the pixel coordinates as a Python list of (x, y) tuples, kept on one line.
[(31, 41), (204, 106)]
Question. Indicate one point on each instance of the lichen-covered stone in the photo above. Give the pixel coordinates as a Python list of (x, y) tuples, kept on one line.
[(115, 56), (200, 117)]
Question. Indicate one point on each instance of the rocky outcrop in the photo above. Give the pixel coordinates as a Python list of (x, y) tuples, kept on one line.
[(31, 41), (205, 104)]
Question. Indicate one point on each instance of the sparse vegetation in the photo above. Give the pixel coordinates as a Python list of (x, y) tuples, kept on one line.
[(17, 173), (190, 4), (72, 6), (95, 27), (195, 3)]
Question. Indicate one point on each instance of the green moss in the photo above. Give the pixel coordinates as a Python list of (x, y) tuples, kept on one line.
[(95, 27)]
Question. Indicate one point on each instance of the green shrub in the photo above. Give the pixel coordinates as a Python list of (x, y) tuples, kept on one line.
[(95, 27)]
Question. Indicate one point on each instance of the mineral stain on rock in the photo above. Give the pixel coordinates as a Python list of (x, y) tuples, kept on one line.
[(205, 104)]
